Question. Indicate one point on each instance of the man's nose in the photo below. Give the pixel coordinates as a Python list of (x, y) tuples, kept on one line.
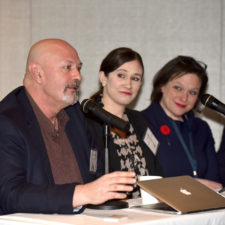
[(76, 74)]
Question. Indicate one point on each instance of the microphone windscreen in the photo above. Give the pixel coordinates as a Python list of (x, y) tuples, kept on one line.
[(85, 104), (205, 99), (90, 106), (213, 103)]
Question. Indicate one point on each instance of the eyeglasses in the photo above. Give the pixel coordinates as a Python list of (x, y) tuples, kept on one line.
[(199, 65)]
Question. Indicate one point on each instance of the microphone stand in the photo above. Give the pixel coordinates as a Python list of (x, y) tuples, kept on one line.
[(111, 204)]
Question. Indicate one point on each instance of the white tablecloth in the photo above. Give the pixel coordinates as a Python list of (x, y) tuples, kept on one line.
[(128, 216)]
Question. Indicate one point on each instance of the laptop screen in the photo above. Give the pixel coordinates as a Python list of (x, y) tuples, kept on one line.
[(183, 193)]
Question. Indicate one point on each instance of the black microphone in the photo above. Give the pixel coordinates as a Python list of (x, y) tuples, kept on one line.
[(211, 102), (89, 106)]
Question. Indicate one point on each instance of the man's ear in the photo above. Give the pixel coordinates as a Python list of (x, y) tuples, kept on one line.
[(102, 78), (35, 72)]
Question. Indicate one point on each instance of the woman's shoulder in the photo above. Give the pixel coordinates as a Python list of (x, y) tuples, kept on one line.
[(200, 124), (152, 111), (134, 114), (155, 115), (151, 108), (136, 118), (197, 120)]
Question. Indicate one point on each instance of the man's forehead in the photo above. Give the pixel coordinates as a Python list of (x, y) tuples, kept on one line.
[(65, 54)]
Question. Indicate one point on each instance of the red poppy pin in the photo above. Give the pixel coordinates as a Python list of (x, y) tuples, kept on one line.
[(165, 130)]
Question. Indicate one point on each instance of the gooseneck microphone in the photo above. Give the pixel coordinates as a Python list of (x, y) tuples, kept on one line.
[(90, 106), (213, 103)]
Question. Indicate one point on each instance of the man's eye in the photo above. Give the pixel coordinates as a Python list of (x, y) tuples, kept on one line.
[(67, 67)]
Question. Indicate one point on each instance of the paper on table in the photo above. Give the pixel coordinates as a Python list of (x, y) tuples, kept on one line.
[(107, 217)]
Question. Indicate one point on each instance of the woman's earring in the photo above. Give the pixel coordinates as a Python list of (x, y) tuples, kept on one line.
[(103, 84)]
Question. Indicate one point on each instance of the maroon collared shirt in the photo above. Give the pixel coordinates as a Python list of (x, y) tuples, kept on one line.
[(62, 159)]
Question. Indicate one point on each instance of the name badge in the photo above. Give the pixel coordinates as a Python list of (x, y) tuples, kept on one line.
[(93, 161), (151, 141)]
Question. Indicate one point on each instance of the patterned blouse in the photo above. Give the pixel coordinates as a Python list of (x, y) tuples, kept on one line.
[(130, 154)]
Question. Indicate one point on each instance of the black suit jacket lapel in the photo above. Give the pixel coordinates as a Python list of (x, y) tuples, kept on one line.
[(35, 133)]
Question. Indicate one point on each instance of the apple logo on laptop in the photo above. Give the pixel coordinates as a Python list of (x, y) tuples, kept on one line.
[(184, 191)]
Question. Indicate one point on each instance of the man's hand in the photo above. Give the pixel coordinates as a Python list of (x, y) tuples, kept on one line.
[(110, 186)]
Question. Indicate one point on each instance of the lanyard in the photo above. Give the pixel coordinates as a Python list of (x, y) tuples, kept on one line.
[(190, 154)]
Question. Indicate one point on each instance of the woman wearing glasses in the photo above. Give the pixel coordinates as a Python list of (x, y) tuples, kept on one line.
[(184, 144)]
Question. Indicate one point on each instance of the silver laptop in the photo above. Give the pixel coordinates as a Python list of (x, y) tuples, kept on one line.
[(182, 194)]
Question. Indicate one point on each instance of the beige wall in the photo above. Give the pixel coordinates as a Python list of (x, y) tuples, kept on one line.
[(157, 29)]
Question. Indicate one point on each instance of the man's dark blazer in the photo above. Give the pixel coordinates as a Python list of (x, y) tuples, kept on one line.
[(26, 180)]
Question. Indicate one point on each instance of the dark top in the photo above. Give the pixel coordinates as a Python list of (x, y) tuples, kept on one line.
[(26, 180), (171, 154), (119, 155), (221, 158)]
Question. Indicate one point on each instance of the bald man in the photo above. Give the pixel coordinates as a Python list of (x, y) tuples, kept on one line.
[(48, 160)]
